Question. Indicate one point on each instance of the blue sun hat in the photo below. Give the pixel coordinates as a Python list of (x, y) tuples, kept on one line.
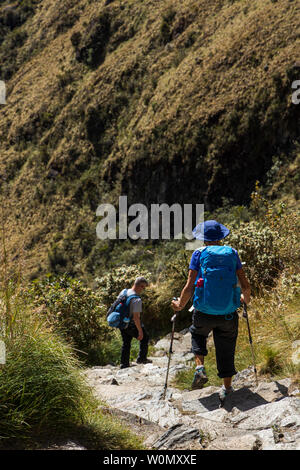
[(210, 231)]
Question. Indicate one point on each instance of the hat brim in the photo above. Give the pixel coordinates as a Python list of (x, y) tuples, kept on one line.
[(222, 233)]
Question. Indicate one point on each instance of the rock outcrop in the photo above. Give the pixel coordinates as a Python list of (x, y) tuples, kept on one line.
[(263, 417)]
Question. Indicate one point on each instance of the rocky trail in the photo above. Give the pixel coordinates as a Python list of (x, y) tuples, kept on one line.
[(263, 417)]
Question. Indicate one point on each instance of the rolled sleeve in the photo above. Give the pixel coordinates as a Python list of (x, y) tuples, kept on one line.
[(136, 306), (195, 261), (238, 261)]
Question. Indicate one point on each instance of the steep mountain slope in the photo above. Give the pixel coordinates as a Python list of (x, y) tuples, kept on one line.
[(174, 101)]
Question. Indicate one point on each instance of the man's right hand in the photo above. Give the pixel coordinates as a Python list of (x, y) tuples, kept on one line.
[(140, 336)]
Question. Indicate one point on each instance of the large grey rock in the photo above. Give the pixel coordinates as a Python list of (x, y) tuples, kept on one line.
[(160, 412), (268, 415), (200, 401), (271, 391), (243, 442), (177, 434), (181, 343), (148, 405), (164, 345), (179, 358), (266, 439), (241, 401), (244, 378)]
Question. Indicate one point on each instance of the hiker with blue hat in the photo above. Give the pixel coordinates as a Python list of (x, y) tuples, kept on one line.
[(218, 282)]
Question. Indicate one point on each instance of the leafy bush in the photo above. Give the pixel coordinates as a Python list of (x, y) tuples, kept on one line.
[(156, 298), (110, 285), (256, 247), (74, 310)]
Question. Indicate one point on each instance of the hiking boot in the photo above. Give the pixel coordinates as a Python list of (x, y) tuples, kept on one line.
[(124, 366), (143, 361), (200, 378), (223, 393)]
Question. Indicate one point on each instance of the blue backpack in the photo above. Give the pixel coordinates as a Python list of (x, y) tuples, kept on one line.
[(216, 289), (118, 315)]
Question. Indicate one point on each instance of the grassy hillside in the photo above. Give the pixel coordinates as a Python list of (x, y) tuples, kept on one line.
[(175, 101), (183, 101)]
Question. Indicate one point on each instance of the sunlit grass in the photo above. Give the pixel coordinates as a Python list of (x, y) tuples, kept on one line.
[(273, 330)]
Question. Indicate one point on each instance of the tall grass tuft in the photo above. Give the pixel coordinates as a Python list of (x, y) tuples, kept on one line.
[(40, 385), (43, 393), (271, 363)]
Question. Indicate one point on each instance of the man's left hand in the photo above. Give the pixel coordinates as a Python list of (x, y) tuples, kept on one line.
[(245, 298)]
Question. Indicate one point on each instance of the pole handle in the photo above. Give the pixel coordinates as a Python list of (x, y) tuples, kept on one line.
[(174, 316)]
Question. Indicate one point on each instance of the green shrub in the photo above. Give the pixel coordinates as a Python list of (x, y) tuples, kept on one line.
[(110, 285), (256, 247), (271, 364), (74, 310)]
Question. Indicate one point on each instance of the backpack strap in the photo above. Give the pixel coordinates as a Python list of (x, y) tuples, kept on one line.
[(122, 295), (234, 257), (130, 297), (201, 249)]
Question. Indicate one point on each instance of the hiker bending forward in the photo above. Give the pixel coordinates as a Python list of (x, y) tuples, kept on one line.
[(213, 273), (135, 329)]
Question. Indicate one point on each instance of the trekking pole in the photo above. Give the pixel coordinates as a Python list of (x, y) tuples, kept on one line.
[(245, 315), (170, 352)]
